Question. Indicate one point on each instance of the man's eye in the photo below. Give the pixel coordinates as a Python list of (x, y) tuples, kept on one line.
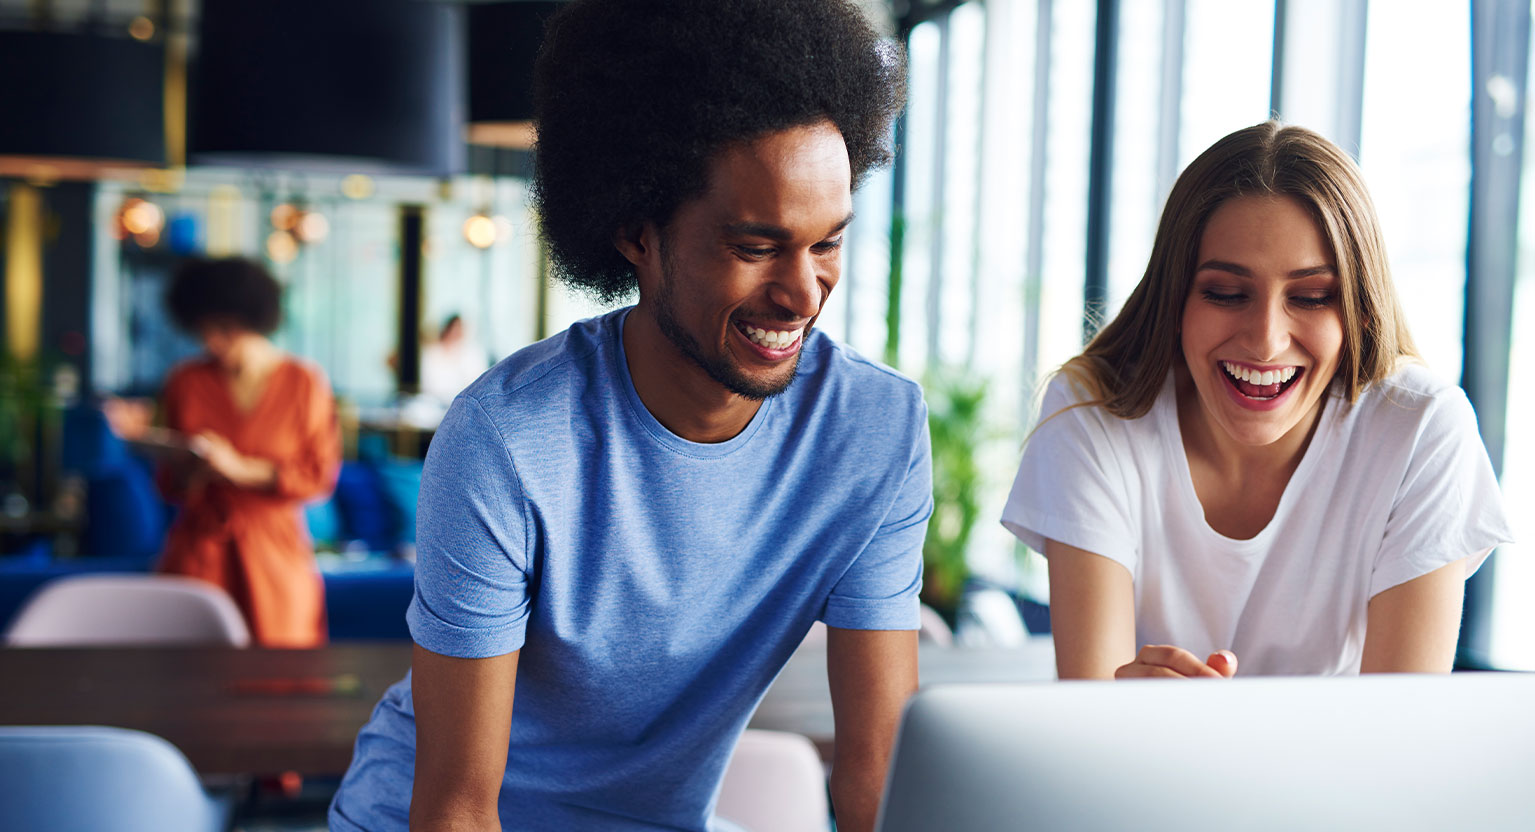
[(756, 252), (827, 246)]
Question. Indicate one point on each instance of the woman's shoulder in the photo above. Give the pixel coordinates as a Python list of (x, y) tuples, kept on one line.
[(1413, 402), (1412, 391), (194, 370), (305, 372), (1065, 394)]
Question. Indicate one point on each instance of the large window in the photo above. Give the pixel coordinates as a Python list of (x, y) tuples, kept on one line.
[(996, 244), (1513, 616)]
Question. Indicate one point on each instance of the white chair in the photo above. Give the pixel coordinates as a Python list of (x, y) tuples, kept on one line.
[(989, 618), (104, 610), (934, 629), (775, 783), (87, 777)]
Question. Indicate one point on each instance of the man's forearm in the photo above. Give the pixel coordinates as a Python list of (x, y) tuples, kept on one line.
[(871, 674), (855, 793)]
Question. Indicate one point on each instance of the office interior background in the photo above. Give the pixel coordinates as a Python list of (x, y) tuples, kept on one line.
[(1039, 142)]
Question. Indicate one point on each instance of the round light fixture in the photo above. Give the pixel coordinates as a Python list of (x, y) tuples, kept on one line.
[(281, 247), (480, 231), (312, 227), (357, 186), (140, 216), (285, 216)]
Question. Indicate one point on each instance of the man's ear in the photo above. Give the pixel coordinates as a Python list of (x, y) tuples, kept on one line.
[(638, 243)]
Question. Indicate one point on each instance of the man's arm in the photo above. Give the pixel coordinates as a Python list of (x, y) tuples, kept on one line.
[(463, 725), (872, 673), (1412, 627)]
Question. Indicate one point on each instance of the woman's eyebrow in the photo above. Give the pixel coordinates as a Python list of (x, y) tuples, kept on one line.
[(1243, 271)]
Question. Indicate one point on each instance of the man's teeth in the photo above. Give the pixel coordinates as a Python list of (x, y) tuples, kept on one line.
[(1261, 379), (775, 339)]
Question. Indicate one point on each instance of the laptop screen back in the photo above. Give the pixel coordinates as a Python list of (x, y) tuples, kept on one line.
[(1375, 752)]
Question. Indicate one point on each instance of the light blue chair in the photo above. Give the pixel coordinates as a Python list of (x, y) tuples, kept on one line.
[(87, 778)]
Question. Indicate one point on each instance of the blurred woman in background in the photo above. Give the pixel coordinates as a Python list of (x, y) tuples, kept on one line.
[(262, 439)]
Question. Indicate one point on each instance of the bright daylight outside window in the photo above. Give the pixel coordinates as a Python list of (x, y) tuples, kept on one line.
[(1513, 617)]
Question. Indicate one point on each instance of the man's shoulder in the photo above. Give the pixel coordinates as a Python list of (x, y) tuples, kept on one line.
[(562, 362), (828, 363)]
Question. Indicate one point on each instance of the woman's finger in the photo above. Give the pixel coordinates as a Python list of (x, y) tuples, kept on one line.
[(1224, 662), (1139, 670), (1176, 658)]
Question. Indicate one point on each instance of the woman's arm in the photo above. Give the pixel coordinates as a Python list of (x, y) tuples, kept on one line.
[(463, 726), (1092, 618), (1092, 613), (1412, 627)]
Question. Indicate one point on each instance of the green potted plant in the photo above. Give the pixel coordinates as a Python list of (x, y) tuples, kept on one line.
[(954, 400)]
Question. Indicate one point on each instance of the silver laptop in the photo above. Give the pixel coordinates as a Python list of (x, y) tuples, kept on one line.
[(1359, 753)]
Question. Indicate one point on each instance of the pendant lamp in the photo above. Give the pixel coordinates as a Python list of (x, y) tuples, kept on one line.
[(77, 105), (504, 38), (329, 85)]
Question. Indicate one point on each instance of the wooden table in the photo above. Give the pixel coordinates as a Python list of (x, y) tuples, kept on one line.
[(231, 711), (265, 711)]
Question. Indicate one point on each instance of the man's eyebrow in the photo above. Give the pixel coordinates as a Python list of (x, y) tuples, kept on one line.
[(775, 232), (1243, 271)]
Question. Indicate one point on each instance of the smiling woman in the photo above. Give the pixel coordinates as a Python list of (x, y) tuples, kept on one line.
[(1248, 462)]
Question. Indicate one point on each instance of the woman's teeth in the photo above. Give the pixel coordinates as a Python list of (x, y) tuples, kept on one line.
[(773, 339), (1264, 378)]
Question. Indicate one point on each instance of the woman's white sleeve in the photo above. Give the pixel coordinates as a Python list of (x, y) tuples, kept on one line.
[(1071, 485), (1448, 505)]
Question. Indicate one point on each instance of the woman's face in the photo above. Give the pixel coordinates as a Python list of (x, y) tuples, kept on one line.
[(1262, 332), (220, 340)]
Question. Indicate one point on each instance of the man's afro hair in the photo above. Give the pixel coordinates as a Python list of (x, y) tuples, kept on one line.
[(633, 97)]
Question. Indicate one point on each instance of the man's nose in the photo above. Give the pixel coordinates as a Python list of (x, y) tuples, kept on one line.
[(797, 285)]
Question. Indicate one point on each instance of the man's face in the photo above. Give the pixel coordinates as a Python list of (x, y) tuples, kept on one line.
[(747, 266)]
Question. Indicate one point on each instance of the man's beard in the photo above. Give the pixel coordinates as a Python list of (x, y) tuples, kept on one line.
[(719, 368)]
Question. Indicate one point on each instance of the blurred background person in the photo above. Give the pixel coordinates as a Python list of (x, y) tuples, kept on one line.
[(452, 362), (261, 439)]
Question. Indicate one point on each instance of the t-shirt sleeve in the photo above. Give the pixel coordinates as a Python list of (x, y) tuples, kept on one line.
[(879, 591), (1070, 486), (471, 598), (1448, 505)]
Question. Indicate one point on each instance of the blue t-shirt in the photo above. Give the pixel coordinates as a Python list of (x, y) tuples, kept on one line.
[(655, 586)]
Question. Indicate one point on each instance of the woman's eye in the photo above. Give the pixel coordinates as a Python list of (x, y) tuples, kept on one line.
[(1223, 298), (1312, 301)]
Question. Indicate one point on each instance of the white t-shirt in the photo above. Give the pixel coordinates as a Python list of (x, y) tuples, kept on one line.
[(447, 370), (1389, 489)]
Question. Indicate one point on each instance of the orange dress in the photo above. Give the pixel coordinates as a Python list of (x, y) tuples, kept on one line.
[(254, 543)]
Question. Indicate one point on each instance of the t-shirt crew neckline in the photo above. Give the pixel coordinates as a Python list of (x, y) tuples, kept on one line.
[(1172, 436), (658, 431)]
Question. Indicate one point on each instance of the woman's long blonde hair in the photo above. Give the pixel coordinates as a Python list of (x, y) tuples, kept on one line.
[(1124, 366)]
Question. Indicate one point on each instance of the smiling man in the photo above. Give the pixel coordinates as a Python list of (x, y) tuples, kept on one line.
[(632, 525)]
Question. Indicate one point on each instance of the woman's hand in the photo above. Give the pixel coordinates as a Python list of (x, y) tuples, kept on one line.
[(219, 454), (222, 459), (1162, 661)]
